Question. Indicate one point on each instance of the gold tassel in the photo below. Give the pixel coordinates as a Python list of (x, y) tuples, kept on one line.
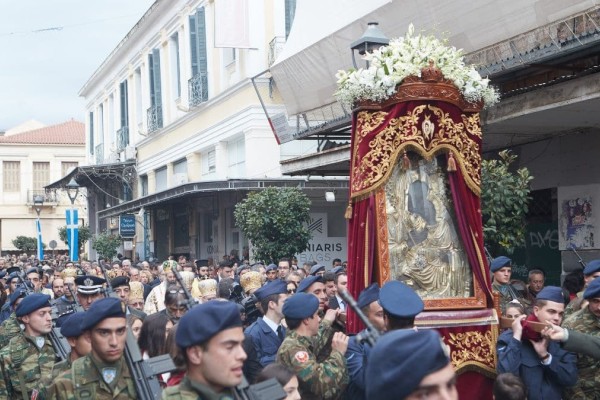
[(348, 213), (451, 163), (405, 161)]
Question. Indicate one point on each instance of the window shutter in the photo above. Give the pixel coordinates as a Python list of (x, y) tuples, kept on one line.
[(124, 105), (193, 45), (290, 12), (202, 52), (156, 76), (91, 132)]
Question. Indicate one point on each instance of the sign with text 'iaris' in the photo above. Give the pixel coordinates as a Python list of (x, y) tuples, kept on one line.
[(127, 225)]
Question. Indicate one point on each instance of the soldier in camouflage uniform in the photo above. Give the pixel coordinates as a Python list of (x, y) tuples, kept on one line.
[(28, 358), (590, 272), (502, 270), (79, 344), (318, 379), (211, 337), (10, 327), (103, 373), (586, 320)]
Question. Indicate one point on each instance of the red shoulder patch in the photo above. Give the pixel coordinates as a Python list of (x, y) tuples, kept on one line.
[(301, 356)]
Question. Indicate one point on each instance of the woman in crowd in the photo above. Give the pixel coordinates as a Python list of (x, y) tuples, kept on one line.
[(134, 322), (153, 335), (284, 376)]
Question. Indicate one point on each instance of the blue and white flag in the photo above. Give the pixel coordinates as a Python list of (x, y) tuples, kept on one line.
[(73, 234), (40, 249)]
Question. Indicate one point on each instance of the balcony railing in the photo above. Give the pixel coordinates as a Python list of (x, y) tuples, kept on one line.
[(48, 197), (99, 153), (155, 118), (275, 47), (198, 89), (122, 138)]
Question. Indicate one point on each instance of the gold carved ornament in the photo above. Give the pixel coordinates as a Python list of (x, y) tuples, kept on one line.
[(474, 350), (427, 130)]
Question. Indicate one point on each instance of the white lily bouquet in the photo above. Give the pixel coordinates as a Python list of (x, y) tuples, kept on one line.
[(407, 56)]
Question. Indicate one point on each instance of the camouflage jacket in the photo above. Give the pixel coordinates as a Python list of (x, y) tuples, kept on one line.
[(588, 385), (508, 293), (61, 367), (189, 390), (573, 306), (318, 379), (26, 367), (9, 329), (84, 381)]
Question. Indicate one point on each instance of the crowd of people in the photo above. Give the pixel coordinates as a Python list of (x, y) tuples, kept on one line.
[(233, 322)]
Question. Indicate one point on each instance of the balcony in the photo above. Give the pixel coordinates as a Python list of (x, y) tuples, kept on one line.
[(198, 89), (155, 118), (48, 197), (99, 152), (122, 138), (275, 47)]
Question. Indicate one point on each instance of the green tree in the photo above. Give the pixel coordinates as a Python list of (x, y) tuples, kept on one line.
[(83, 235), (504, 203), (275, 221), (26, 244), (106, 244)]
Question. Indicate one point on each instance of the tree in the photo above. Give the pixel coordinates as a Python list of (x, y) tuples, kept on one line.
[(275, 221), (26, 244), (504, 203), (106, 244), (83, 235)]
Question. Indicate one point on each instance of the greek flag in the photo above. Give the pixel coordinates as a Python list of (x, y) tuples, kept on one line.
[(73, 234), (40, 250)]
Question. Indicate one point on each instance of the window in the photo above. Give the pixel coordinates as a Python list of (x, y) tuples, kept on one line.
[(68, 166), (91, 119), (144, 185), (11, 176), (175, 67), (137, 79), (41, 175), (237, 158), (212, 161), (228, 56), (155, 120), (290, 12), (180, 175), (198, 85), (123, 132), (161, 179)]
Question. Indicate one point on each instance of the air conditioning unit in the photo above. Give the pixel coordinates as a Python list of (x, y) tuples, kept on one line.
[(129, 153), (180, 179)]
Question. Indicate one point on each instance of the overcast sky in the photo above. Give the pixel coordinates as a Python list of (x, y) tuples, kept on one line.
[(49, 50)]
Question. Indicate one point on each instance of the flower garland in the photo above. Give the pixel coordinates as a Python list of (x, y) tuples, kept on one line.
[(406, 56)]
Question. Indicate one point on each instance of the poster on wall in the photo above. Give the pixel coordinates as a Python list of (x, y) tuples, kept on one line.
[(577, 224), (322, 248)]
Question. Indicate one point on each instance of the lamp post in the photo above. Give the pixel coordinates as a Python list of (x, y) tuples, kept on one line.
[(372, 39), (73, 220), (38, 202)]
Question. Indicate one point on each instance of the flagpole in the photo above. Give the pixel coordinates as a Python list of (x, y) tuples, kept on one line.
[(38, 202), (73, 220)]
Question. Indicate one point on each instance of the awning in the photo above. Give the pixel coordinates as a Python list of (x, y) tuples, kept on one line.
[(85, 175), (319, 42), (198, 188)]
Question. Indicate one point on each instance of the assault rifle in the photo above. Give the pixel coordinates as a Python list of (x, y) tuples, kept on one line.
[(266, 390), (370, 335), (189, 300), (144, 372), (572, 248)]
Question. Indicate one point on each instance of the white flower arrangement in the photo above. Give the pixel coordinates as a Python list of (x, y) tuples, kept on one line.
[(407, 56)]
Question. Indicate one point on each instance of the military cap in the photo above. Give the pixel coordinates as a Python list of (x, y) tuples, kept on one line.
[(551, 293), (403, 355), (251, 280), (316, 268), (32, 302), (89, 284), (12, 276), (309, 280), (499, 262), (274, 287), (12, 270), (119, 281), (205, 320), (592, 267), (107, 307), (593, 289), (399, 300), (300, 306), (271, 267), (2, 274), (71, 326), (242, 267), (16, 295), (368, 295), (337, 269), (33, 270)]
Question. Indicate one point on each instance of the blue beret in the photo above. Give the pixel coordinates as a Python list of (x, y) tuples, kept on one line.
[(593, 289), (271, 267), (309, 280), (17, 294), (2, 274), (399, 300), (119, 281), (592, 267), (551, 293), (107, 307), (405, 356), (205, 320), (71, 326), (337, 270), (33, 270), (300, 306), (274, 287), (368, 295), (499, 262), (32, 302), (316, 268)]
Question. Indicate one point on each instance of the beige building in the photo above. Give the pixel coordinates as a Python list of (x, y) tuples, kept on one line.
[(31, 159)]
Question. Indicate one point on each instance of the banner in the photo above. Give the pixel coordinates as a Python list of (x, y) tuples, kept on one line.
[(73, 234)]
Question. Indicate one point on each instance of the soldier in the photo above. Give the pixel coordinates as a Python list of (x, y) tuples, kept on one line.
[(586, 321), (12, 281), (502, 270), (103, 373), (411, 365), (400, 305), (122, 287), (271, 272), (211, 337), (590, 272), (34, 275), (10, 327), (28, 358), (89, 289), (319, 378), (79, 344)]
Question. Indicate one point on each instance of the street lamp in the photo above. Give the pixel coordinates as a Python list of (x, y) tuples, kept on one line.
[(372, 39), (38, 202), (73, 220)]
